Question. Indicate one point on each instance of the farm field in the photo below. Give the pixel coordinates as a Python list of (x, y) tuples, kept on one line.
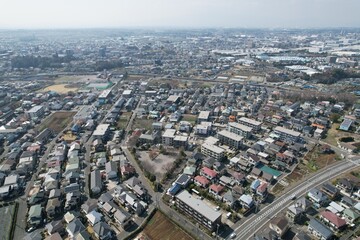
[(160, 227), (57, 121)]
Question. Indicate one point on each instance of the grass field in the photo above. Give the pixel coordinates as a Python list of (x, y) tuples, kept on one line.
[(57, 121), (6, 221), (160, 227), (59, 88)]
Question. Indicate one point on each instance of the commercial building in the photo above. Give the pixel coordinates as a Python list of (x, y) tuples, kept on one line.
[(198, 210), (213, 151), (256, 125), (287, 135), (36, 112), (239, 129), (230, 139)]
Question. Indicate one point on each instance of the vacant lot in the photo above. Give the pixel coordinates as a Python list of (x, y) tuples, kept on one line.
[(57, 121), (316, 160), (6, 221), (156, 163), (59, 88), (189, 118), (123, 120), (160, 227), (142, 123)]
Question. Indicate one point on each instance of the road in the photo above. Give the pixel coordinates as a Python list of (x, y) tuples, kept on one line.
[(247, 229)]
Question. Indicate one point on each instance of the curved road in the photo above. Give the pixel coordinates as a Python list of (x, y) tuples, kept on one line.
[(248, 228)]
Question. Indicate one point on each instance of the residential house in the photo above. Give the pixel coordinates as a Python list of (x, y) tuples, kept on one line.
[(330, 190), (55, 227), (229, 198), (95, 182), (94, 217), (89, 205), (132, 182), (103, 231), (319, 230), (297, 211), (74, 227), (317, 197), (201, 181), (35, 215), (208, 173), (123, 218), (111, 169), (216, 190), (345, 185), (280, 225), (246, 201), (262, 191), (332, 220), (53, 207), (350, 215)]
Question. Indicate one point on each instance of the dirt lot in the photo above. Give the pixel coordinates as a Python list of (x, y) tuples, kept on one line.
[(158, 165), (160, 227), (60, 88), (57, 121)]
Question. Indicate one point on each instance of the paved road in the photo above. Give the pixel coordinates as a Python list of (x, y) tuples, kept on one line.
[(246, 229)]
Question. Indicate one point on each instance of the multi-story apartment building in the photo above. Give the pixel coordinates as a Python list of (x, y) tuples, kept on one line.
[(287, 135), (255, 125), (36, 112), (230, 139), (213, 151), (239, 129), (198, 210), (168, 137)]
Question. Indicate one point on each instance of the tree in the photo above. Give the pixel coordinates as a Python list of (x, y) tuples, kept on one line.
[(334, 117)]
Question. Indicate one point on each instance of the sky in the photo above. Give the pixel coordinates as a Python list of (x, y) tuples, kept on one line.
[(52, 14)]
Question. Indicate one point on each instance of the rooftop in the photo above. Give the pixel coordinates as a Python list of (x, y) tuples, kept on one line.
[(198, 205)]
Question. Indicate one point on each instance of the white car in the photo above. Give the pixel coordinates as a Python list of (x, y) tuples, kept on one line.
[(233, 235)]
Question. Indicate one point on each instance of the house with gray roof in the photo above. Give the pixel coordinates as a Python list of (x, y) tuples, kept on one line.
[(319, 230)]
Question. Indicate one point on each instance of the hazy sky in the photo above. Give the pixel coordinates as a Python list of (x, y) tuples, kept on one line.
[(178, 13)]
